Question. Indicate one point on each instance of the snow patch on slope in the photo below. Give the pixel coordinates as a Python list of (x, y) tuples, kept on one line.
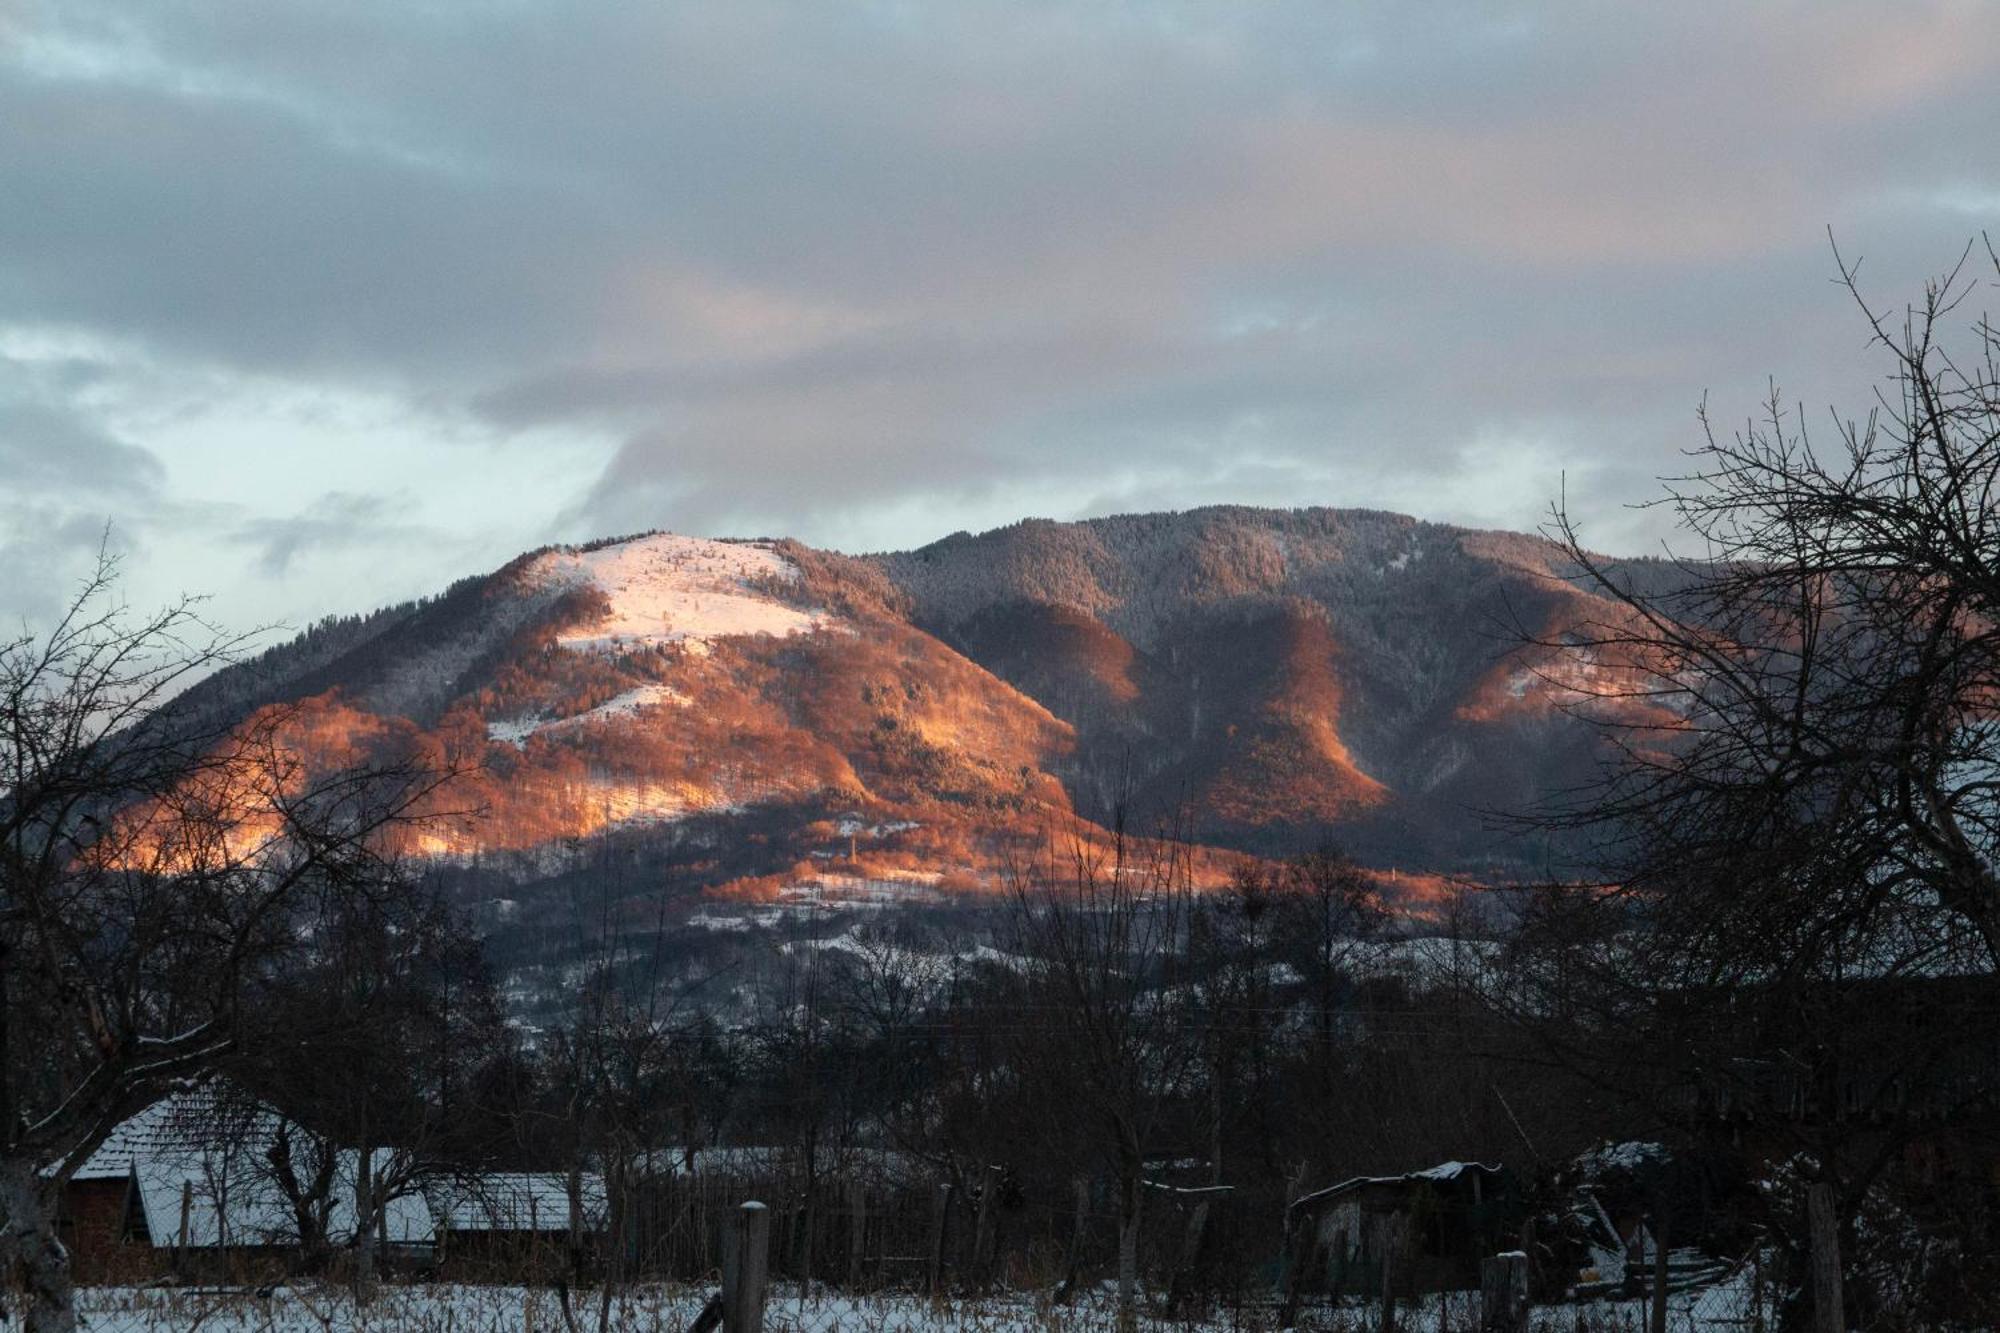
[(515, 731), (912, 964), (667, 588)]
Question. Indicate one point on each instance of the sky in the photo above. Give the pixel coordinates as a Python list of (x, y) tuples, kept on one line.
[(310, 308)]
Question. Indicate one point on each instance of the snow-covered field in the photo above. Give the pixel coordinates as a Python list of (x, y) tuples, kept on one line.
[(444, 1308), (666, 588), (470, 1309)]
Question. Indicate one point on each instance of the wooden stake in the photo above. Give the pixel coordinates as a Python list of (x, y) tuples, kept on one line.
[(746, 1269), (982, 1236), (940, 1226), (857, 1230), (1503, 1293)]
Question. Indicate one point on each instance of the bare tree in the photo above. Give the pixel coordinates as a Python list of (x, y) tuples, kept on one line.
[(1102, 1022), (152, 862), (1329, 912), (1830, 655), (1796, 842), (366, 1043), (618, 1064)]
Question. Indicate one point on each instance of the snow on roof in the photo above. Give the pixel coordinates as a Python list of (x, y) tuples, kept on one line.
[(514, 1201), (666, 588), (232, 1201), (183, 1120), (1442, 1172), (207, 1144)]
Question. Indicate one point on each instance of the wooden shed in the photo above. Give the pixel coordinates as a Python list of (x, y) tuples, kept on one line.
[(1426, 1230)]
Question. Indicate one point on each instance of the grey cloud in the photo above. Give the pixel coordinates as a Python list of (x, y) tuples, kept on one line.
[(45, 549), (336, 520), (46, 450), (877, 272), (67, 487)]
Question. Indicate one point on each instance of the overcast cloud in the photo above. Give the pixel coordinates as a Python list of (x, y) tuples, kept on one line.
[(321, 306)]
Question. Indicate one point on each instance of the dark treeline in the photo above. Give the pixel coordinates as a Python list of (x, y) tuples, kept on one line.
[(1129, 1083)]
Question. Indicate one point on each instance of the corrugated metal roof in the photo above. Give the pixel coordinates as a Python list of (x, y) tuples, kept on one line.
[(515, 1201), (1444, 1172), (234, 1202)]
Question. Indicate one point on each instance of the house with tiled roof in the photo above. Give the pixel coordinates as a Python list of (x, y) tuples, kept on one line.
[(191, 1182)]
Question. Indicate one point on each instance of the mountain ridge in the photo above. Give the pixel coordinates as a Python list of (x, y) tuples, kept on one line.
[(1266, 680)]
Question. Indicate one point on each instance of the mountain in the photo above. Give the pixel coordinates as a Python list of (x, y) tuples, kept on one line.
[(1291, 675), (758, 718)]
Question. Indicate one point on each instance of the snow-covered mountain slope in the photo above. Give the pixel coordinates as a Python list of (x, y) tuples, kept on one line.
[(666, 588)]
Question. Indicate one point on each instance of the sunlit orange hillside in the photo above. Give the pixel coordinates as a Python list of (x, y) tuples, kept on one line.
[(750, 717)]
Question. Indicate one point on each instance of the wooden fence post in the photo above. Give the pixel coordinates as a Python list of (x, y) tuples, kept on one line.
[(982, 1236), (940, 1229), (1503, 1293), (857, 1231), (746, 1269)]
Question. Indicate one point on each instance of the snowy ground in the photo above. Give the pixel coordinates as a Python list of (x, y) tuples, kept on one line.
[(672, 589), (442, 1308)]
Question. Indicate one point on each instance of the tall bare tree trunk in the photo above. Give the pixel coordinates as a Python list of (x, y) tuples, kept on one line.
[(983, 1228), (39, 1262), (1824, 1229), (1129, 1191), (1079, 1227), (364, 1225), (32, 1260), (573, 1184), (617, 1201), (1196, 1235)]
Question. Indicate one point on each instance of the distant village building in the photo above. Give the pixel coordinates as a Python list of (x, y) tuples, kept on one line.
[(1428, 1230)]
